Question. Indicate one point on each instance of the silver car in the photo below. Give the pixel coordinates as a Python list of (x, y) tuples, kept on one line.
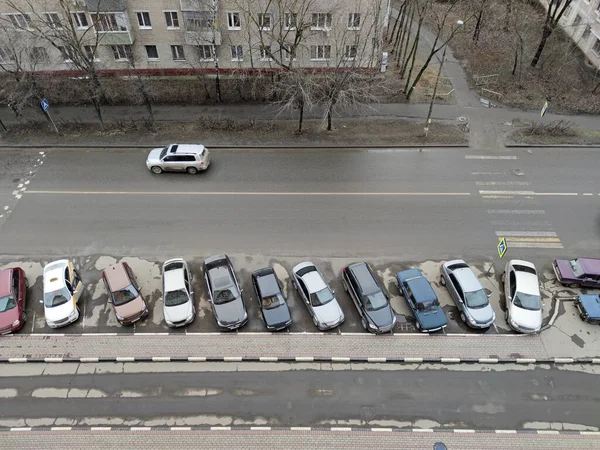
[(318, 297), (178, 297), (469, 296), (523, 300), (190, 158)]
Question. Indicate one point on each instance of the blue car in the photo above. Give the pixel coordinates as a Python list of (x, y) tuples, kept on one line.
[(421, 299), (589, 308)]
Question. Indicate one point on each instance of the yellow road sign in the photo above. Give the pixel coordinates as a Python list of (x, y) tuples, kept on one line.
[(502, 247)]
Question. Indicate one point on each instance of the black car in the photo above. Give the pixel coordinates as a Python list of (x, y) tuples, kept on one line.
[(368, 296), (271, 301), (225, 294)]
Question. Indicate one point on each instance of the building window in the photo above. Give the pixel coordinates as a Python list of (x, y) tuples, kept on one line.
[(289, 53), (66, 54), (290, 21), (237, 53), (265, 52), (20, 21), (152, 52), (172, 19), (177, 53), (596, 47), (321, 21), (354, 21), (205, 52), (38, 55), (6, 55), (586, 33), (121, 52), (320, 52), (576, 21), (90, 52), (143, 18), (264, 21), (80, 20), (350, 53), (233, 21), (198, 20), (52, 20), (110, 22), (567, 12)]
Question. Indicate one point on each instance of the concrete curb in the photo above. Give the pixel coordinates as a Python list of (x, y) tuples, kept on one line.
[(231, 147), (302, 429), (302, 359), (552, 145)]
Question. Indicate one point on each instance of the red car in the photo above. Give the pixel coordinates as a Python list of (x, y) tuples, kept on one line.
[(13, 292)]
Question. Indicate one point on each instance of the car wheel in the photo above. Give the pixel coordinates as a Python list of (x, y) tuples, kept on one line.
[(573, 285), (26, 283), (24, 317), (417, 325), (506, 315), (503, 277), (442, 280), (156, 170), (344, 285), (191, 170), (315, 322), (463, 317), (400, 290), (364, 324)]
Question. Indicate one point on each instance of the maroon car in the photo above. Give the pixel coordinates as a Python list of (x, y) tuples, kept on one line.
[(13, 291), (578, 272)]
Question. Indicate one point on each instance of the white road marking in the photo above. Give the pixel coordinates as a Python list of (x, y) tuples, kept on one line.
[(528, 193), (516, 211), (491, 157), (489, 173), (535, 245), (526, 233), (587, 193), (503, 183), (268, 194)]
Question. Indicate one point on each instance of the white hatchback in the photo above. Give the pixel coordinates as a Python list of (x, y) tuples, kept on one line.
[(62, 290), (523, 300), (178, 297)]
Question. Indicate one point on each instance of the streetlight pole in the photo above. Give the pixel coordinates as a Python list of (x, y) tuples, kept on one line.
[(428, 121)]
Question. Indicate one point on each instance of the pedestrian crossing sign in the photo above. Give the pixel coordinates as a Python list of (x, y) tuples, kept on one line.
[(502, 247)]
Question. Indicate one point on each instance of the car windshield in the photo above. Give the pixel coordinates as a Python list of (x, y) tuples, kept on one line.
[(174, 298), (225, 290), (163, 153), (56, 298), (272, 301), (125, 295), (375, 301), (426, 306), (7, 303), (576, 268), (528, 301), (476, 299), (321, 297)]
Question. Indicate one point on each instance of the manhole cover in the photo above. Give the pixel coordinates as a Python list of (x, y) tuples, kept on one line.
[(518, 172)]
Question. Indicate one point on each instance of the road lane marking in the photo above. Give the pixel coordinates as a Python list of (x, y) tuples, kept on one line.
[(535, 245), (516, 211), (532, 239), (496, 197), (491, 157), (526, 233), (503, 183), (528, 193), (256, 193)]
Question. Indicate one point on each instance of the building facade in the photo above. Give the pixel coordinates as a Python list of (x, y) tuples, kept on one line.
[(180, 35)]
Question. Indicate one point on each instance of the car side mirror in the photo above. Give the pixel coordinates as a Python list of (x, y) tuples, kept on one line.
[(332, 292), (110, 300), (488, 292)]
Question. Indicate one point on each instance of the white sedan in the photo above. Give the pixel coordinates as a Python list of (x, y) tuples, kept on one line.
[(62, 290), (523, 300), (178, 298)]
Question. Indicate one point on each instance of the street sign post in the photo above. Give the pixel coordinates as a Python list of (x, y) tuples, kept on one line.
[(45, 105), (544, 109), (502, 247)]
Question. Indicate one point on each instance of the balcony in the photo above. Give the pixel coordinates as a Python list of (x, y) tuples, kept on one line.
[(94, 6), (202, 37), (198, 5), (113, 28)]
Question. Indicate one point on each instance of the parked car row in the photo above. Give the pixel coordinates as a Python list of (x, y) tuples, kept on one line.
[(63, 289)]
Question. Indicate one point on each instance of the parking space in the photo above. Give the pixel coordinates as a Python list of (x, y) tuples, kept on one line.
[(98, 317)]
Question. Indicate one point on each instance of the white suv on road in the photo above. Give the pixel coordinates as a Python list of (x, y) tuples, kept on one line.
[(190, 158)]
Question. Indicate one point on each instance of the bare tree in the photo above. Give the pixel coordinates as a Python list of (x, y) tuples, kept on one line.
[(481, 8), (295, 91), (556, 9), (78, 44)]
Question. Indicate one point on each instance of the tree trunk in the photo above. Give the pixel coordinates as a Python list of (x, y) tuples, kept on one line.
[(96, 95), (593, 91), (329, 118), (301, 116), (395, 23), (545, 35), (478, 26), (422, 71), (514, 69), (6, 129), (406, 34), (507, 15)]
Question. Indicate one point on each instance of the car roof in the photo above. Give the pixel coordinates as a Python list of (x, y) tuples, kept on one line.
[(186, 148), (314, 282), (590, 266), (54, 275), (467, 279), (527, 283), (364, 277), (267, 284), (220, 276), (5, 282), (117, 276), (421, 289), (174, 279)]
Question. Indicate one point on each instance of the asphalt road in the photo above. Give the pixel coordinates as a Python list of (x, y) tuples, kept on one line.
[(429, 398), (405, 204)]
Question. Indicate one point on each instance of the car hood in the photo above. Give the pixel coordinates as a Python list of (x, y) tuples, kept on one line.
[(383, 317), (329, 312), (482, 315), (431, 319), (59, 312), (131, 308), (8, 317), (179, 312), (526, 318), (565, 269), (154, 155), (230, 312), (277, 316)]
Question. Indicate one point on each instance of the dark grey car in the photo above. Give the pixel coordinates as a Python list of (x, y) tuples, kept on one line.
[(225, 294), (271, 301), (370, 299)]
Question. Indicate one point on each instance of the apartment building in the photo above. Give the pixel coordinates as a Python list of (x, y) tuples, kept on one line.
[(178, 35), (581, 21)]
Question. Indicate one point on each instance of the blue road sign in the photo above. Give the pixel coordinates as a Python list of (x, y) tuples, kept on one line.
[(45, 105), (502, 247)]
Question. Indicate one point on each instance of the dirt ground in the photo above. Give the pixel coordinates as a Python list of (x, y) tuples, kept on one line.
[(351, 132), (578, 137)]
